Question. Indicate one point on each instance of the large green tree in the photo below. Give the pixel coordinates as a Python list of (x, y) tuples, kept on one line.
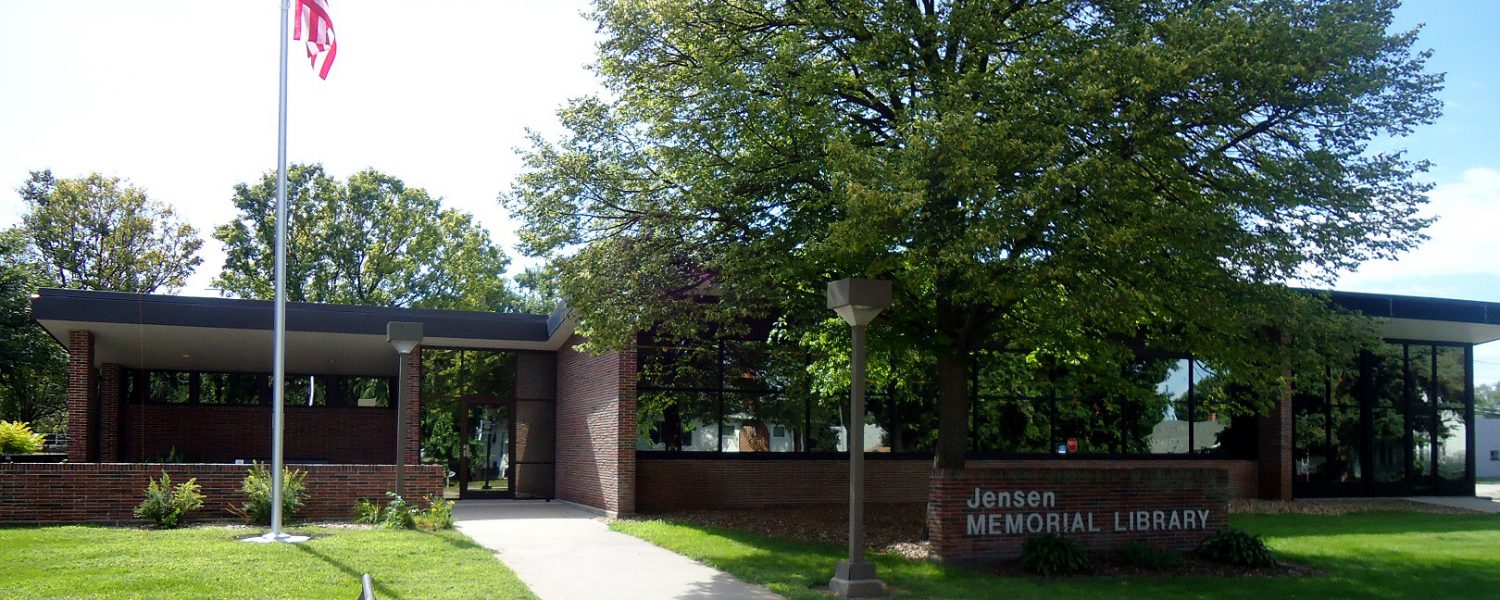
[(371, 241), (1085, 181), (100, 233), (32, 364)]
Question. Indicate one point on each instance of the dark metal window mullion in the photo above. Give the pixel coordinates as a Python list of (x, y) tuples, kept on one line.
[(719, 428), (1434, 404), (1192, 405), (1469, 461), (974, 403), (1328, 475), (1408, 392)]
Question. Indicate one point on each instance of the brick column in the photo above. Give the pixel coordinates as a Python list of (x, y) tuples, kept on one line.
[(411, 404), (82, 417), (627, 432), (111, 377), (1275, 450)]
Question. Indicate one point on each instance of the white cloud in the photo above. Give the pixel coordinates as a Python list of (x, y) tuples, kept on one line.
[(1463, 241)]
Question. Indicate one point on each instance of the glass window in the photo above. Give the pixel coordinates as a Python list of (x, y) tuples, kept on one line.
[(1343, 455), (1310, 432), (1452, 376), (1452, 444), (1170, 435), (231, 388), (170, 387)]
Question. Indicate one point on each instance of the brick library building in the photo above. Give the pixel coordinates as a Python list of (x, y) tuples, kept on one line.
[(493, 405)]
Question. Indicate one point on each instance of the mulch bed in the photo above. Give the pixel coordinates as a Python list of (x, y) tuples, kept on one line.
[(1340, 506), (1105, 564)]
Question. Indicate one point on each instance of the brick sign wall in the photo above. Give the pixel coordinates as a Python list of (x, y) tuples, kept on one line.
[(685, 482), (99, 493), (986, 514)]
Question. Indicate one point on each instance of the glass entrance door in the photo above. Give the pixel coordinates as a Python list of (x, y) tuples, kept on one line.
[(488, 443)]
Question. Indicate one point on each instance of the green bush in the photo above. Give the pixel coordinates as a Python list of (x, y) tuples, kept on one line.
[(1140, 554), (1052, 554), (257, 489), (400, 514), (1236, 547), (165, 506), (367, 512), (439, 515), (18, 438)]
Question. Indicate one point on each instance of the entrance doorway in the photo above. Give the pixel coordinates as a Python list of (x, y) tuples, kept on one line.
[(487, 429)]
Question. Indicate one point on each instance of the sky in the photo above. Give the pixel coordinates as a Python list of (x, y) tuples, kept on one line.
[(179, 97)]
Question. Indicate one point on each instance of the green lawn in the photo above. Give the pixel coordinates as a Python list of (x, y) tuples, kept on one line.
[(1366, 555), (208, 562)]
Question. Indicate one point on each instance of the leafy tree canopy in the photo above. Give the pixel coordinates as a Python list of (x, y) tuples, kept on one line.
[(32, 364), (1085, 181), (100, 233), (371, 241)]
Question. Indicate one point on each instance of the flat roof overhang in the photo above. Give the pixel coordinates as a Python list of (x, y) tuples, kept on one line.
[(151, 331), (1415, 318)]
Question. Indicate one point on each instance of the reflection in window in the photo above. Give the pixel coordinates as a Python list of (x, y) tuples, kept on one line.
[(1391, 421), (728, 396)]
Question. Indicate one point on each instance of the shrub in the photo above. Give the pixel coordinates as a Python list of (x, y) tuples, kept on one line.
[(367, 512), (257, 489), (18, 438), (439, 515), (1140, 554), (400, 514), (1052, 554), (166, 506), (1236, 547)]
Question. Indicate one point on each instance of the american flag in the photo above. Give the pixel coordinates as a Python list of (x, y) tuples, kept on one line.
[(313, 14)]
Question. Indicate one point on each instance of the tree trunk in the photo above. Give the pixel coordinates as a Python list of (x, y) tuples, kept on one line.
[(953, 411)]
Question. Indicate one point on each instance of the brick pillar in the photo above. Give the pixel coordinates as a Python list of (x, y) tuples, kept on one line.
[(111, 377), (1275, 450), (625, 482), (82, 417), (411, 404)]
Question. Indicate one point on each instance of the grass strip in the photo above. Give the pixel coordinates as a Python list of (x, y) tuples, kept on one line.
[(209, 562), (1365, 555)]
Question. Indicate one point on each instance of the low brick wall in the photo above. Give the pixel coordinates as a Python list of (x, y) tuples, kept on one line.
[(107, 492), (979, 515), (684, 483)]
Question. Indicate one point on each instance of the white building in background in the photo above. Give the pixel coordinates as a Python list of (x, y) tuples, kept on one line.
[(1487, 445)]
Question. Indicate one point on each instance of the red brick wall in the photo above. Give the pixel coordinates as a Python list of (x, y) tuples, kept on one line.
[(411, 403), (218, 433), (1096, 504), (595, 429), (707, 483), (110, 385), (84, 492), (82, 416), (1275, 452)]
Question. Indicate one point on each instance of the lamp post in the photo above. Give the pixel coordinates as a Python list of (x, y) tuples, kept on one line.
[(858, 301), (403, 336)]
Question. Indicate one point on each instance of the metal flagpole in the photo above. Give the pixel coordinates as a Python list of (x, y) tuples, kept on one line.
[(279, 360), (279, 368)]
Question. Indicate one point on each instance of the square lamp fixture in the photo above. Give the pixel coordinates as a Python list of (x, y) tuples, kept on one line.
[(403, 335), (859, 301)]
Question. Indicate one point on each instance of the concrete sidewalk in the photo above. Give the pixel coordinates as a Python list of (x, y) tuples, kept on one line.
[(1486, 499), (565, 553)]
